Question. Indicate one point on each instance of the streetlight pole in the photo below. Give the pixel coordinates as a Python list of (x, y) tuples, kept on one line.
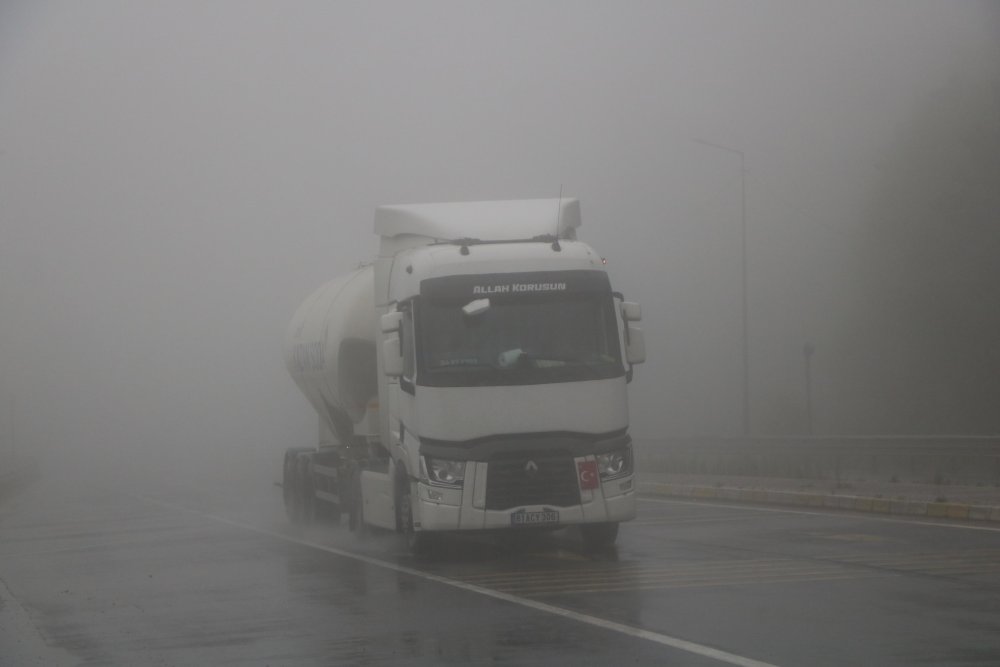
[(807, 351), (743, 271)]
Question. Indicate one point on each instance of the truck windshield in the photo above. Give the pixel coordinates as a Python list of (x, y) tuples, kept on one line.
[(530, 341)]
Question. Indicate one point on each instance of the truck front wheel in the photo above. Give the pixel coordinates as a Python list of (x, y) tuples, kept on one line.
[(419, 542), (599, 535), (356, 515)]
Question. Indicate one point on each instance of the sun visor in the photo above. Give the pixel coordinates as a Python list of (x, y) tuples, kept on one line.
[(514, 286)]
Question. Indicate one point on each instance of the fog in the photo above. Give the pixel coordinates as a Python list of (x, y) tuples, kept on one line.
[(175, 178)]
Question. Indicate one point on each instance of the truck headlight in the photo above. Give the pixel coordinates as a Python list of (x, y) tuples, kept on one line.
[(612, 465), (442, 472)]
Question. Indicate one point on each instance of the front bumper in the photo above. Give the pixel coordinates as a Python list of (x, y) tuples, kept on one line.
[(465, 509)]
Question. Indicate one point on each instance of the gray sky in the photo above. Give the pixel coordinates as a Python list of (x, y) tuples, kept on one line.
[(175, 177)]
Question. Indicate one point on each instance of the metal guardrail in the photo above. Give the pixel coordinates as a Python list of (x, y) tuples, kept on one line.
[(926, 459)]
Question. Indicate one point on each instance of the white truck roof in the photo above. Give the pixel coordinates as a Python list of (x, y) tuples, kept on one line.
[(509, 220)]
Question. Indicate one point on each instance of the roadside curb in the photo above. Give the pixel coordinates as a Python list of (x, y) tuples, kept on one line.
[(875, 505)]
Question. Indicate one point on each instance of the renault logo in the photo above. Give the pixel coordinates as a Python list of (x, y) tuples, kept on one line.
[(530, 468)]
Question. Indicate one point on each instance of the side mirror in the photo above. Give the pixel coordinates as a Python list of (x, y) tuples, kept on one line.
[(631, 311), (392, 358), (635, 342), (635, 346), (391, 321), (392, 351)]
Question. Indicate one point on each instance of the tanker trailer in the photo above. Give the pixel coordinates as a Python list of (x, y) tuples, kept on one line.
[(330, 353), (472, 378)]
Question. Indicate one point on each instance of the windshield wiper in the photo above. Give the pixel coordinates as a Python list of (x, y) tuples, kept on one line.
[(538, 361), (463, 366)]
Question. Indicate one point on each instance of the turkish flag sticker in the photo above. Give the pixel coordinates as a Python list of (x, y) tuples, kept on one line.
[(587, 471)]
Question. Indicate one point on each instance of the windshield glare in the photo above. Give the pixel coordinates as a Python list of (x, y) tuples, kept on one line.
[(522, 342)]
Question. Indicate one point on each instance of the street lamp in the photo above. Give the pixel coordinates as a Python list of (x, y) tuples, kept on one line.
[(807, 351), (743, 262)]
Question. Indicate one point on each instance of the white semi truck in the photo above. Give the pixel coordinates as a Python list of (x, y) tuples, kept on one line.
[(473, 377)]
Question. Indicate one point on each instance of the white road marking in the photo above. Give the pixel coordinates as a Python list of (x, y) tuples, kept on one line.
[(831, 512), (21, 639), (659, 638)]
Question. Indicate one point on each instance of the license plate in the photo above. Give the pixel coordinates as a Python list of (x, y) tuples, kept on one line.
[(537, 518)]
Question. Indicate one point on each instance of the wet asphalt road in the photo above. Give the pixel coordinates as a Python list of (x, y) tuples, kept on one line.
[(181, 576)]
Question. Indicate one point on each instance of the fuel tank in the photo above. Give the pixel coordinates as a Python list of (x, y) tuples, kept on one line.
[(329, 350)]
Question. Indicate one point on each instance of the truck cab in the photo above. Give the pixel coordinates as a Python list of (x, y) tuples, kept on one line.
[(506, 361)]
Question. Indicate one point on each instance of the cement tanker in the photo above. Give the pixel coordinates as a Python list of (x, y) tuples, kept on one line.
[(472, 377)]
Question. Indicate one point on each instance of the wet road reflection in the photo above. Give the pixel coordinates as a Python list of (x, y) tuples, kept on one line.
[(189, 576)]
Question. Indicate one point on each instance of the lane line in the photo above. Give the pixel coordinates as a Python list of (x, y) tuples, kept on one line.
[(783, 565), (631, 631), (669, 582), (832, 512), (710, 584), (915, 559), (22, 639), (627, 570), (730, 572)]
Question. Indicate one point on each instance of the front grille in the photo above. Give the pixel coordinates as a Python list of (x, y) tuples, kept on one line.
[(511, 480)]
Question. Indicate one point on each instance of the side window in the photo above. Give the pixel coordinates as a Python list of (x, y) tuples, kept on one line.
[(409, 351)]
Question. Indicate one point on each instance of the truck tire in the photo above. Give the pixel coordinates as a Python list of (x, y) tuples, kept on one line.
[(356, 508), (296, 489), (598, 536), (327, 512), (307, 492), (290, 493), (419, 542)]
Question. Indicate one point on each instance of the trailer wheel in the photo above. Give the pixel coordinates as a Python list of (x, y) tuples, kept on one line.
[(356, 516), (290, 488), (328, 512), (307, 494), (598, 536)]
